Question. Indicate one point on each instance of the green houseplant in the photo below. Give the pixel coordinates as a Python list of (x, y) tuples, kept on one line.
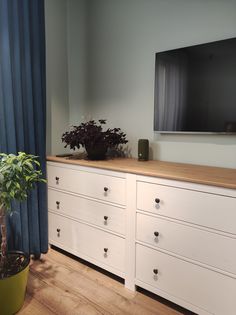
[(18, 175), (94, 139)]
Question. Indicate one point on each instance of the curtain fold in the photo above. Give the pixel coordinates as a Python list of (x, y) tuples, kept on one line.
[(170, 92), (23, 111)]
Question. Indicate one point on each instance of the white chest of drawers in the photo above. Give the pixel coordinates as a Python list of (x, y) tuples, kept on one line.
[(87, 214), (185, 244), (173, 237)]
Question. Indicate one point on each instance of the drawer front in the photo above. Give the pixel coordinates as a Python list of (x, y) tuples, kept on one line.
[(214, 211), (77, 237), (104, 215), (201, 287), (104, 187), (206, 247)]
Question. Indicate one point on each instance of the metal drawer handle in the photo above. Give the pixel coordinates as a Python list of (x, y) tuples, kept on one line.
[(156, 234), (57, 180), (105, 252), (58, 204), (105, 189), (58, 232), (105, 219), (155, 271), (157, 200)]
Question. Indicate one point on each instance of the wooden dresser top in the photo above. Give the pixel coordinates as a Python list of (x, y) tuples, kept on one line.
[(208, 175)]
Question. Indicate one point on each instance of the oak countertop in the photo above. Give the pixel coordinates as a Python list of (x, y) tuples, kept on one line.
[(208, 175)]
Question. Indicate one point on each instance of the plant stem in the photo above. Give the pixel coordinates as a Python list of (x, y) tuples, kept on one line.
[(4, 236)]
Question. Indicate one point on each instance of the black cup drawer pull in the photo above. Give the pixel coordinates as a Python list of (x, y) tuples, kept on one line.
[(58, 204), (157, 200), (57, 180), (156, 234), (58, 232), (155, 271), (105, 189), (105, 219), (105, 250)]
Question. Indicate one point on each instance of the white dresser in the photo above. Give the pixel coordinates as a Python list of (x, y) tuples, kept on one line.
[(186, 244), (173, 237), (87, 214)]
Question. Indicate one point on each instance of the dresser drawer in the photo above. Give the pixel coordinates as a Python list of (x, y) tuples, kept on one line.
[(80, 238), (210, 210), (206, 247), (103, 215), (206, 289), (103, 187)]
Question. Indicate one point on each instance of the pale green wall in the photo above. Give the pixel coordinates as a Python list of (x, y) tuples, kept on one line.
[(111, 49), (123, 38), (66, 67), (56, 73), (77, 36)]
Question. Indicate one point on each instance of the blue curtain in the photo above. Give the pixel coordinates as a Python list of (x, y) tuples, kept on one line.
[(23, 111)]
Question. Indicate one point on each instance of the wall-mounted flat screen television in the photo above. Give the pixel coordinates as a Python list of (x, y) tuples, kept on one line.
[(195, 89)]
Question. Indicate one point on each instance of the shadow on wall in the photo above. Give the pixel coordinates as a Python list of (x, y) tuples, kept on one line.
[(120, 152)]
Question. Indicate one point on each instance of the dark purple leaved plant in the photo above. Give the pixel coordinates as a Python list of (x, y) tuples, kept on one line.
[(91, 134)]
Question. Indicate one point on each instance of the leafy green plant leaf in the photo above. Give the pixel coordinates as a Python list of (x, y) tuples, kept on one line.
[(18, 175)]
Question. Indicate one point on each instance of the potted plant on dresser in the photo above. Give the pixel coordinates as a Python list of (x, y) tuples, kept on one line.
[(94, 139), (18, 175)]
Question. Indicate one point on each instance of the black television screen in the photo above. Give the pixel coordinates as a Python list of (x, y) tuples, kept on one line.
[(195, 88)]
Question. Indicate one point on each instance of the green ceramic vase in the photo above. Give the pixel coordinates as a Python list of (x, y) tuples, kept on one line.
[(12, 291)]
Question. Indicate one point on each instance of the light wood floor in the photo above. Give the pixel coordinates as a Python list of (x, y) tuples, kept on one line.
[(61, 285)]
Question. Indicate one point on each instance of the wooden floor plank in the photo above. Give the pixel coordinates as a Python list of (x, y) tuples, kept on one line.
[(33, 307), (84, 287), (113, 285), (61, 285), (59, 299)]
